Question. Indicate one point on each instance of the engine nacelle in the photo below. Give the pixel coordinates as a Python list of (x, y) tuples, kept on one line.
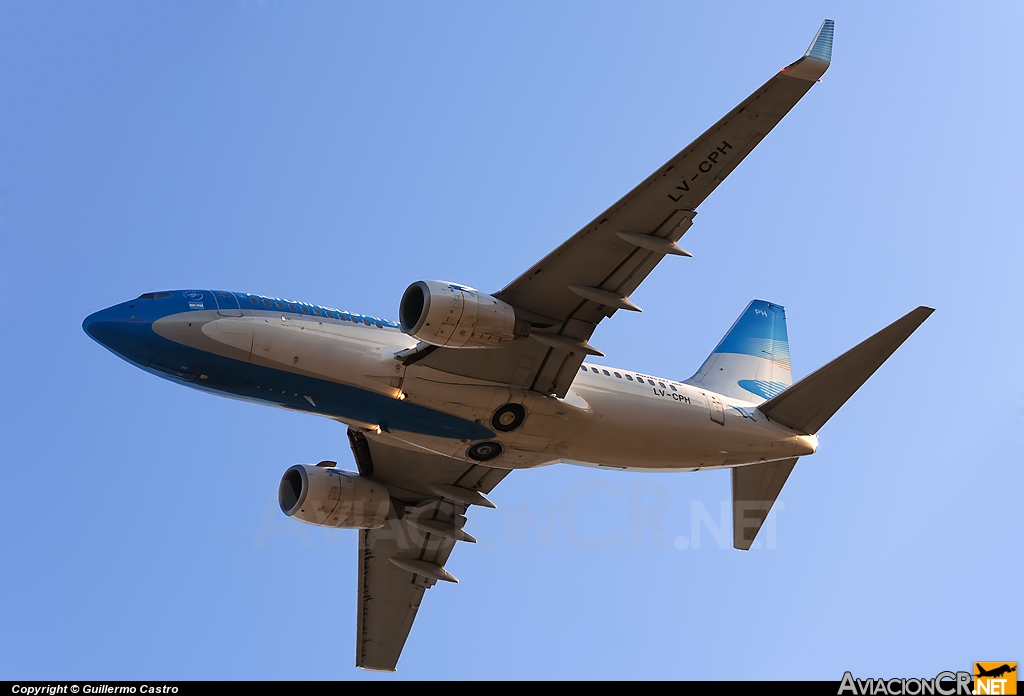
[(331, 497), (456, 316)]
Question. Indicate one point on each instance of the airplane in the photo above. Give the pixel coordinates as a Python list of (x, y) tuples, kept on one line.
[(994, 672), (468, 386)]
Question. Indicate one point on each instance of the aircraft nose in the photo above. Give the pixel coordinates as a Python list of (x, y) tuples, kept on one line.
[(101, 326), (123, 330)]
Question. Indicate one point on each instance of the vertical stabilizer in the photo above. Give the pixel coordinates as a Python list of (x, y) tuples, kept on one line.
[(752, 361)]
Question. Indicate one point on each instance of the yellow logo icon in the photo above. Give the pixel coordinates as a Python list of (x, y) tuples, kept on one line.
[(995, 678)]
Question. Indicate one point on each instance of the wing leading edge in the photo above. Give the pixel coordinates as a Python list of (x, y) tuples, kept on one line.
[(592, 274)]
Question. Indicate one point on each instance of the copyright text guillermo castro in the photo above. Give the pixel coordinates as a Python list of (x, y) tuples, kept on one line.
[(54, 689)]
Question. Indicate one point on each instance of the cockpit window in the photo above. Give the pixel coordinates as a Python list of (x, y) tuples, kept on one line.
[(154, 295)]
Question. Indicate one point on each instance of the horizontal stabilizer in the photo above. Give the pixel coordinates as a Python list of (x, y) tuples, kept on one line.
[(754, 491), (808, 404)]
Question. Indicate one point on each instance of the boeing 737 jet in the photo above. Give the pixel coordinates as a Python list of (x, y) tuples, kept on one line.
[(468, 386)]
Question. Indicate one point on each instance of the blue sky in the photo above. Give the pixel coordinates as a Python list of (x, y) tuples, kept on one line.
[(336, 152)]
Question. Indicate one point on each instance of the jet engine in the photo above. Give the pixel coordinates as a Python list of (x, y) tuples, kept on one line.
[(456, 316), (331, 497)]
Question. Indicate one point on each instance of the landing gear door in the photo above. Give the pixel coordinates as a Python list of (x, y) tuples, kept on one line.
[(227, 304)]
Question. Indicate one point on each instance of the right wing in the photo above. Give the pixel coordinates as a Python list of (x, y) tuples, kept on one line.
[(592, 274), (399, 561)]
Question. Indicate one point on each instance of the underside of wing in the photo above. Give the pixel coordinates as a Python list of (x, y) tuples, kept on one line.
[(591, 275), (406, 556), (755, 489)]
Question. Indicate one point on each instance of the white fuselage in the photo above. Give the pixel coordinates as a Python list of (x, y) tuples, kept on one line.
[(611, 417)]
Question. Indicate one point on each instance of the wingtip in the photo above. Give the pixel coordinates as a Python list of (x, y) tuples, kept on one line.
[(813, 64), (821, 47), (915, 317)]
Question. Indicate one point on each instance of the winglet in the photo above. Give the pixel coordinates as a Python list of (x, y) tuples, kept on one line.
[(816, 60), (821, 47)]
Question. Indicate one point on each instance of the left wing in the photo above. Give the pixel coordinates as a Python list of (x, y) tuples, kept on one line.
[(399, 561), (591, 275)]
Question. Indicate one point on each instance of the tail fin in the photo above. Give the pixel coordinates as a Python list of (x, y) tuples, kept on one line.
[(752, 361), (808, 404)]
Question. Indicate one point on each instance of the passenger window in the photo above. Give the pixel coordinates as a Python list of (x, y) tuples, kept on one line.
[(267, 303), (650, 382), (293, 308), (607, 374), (317, 312), (661, 384), (618, 375), (254, 301), (367, 321), (594, 370), (305, 310), (673, 387), (279, 305), (583, 368), (629, 377)]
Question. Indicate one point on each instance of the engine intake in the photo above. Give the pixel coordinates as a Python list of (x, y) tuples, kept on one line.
[(333, 498), (457, 316)]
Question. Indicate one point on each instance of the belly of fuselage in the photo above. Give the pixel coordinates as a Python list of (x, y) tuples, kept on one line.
[(651, 428), (349, 373)]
